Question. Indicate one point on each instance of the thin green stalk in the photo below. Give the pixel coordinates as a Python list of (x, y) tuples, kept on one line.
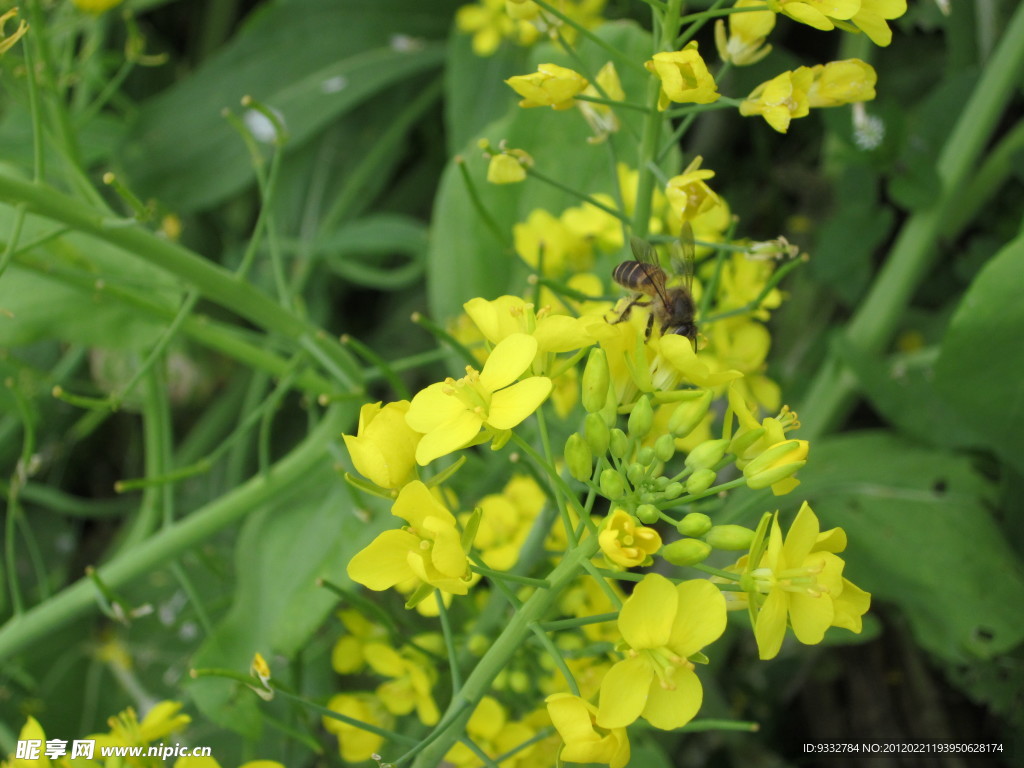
[(712, 13), (506, 576), (441, 334), (476, 750), (539, 736), (478, 205), (557, 657), (612, 103), (380, 364), (535, 174), (583, 621), (697, 25), (831, 393), (449, 641), (612, 51), (79, 599)]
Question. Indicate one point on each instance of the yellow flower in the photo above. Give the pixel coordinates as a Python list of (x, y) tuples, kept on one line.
[(684, 76), (127, 731), (873, 14), (507, 167), (663, 624), (801, 580), (450, 414), (384, 448), (96, 6), (31, 732), (688, 193), (601, 117), (549, 246), (489, 24), (820, 14), (8, 41), (413, 675), (508, 315), (550, 86), (682, 360), (842, 82), (747, 32), (768, 459), (585, 742), (355, 744), (429, 548), (781, 99), (625, 542)]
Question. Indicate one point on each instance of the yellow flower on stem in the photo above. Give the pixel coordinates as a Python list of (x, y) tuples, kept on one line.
[(429, 548), (799, 580), (450, 414), (872, 16), (820, 14), (689, 195), (747, 32), (508, 166), (384, 448), (842, 82), (585, 741), (550, 86), (625, 542), (601, 117), (684, 76), (781, 99), (663, 624), (127, 731), (508, 315)]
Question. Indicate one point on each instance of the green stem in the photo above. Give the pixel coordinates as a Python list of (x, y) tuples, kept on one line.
[(449, 641), (502, 650), (712, 13), (505, 576), (79, 598), (557, 657), (833, 390), (535, 174), (612, 103), (583, 621), (611, 50)]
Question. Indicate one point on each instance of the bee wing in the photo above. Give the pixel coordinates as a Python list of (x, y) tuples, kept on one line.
[(645, 254), (682, 251)]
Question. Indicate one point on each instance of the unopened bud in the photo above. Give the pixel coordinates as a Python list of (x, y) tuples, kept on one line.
[(665, 448), (780, 461), (743, 440), (636, 472), (700, 481), (597, 434), (648, 514), (686, 551), (618, 443), (688, 415), (578, 457), (694, 524), (641, 418), (730, 537), (595, 381), (673, 491), (707, 454), (612, 485), (646, 456)]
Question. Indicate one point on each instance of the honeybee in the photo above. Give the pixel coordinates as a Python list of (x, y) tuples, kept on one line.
[(671, 305)]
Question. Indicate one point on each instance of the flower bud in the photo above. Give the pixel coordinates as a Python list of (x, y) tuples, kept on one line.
[(730, 537), (597, 434), (645, 456), (743, 440), (665, 448), (641, 418), (618, 443), (661, 482), (673, 491), (648, 514), (636, 472), (578, 457), (700, 480), (688, 415), (707, 454), (611, 484), (777, 463), (686, 551), (594, 387), (694, 524)]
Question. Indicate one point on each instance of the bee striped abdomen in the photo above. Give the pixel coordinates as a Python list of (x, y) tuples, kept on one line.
[(637, 275)]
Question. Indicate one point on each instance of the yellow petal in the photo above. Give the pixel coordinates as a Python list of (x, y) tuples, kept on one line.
[(645, 621), (810, 616), (508, 361), (669, 708), (448, 437), (624, 692), (700, 618), (431, 408), (803, 535), (382, 564), (513, 404), (770, 627), (415, 503)]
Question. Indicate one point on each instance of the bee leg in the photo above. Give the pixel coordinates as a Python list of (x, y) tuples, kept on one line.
[(650, 326), (638, 302)]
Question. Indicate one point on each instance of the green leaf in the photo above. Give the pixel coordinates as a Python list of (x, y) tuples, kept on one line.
[(282, 550), (980, 371), (379, 236), (921, 538), (466, 258), (183, 152)]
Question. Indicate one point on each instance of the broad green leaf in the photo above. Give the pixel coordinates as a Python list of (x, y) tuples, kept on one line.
[(980, 370), (466, 258), (282, 550), (921, 538), (182, 151)]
